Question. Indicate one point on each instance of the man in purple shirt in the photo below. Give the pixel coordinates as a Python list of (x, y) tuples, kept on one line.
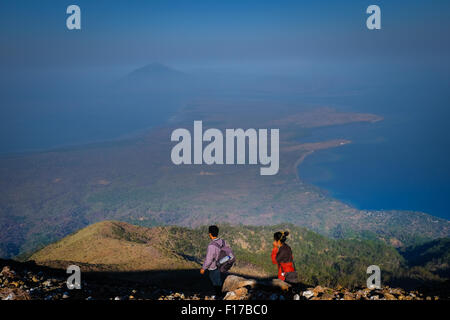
[(212, 256)]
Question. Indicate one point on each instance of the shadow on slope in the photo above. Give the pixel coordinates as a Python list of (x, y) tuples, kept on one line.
[(141, 284)]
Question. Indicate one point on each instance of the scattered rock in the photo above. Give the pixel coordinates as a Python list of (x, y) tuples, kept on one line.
[(284, 286), (31, 283), (389, 296), (47, 283), (7, 273), (14, 294), (349, 296), (232, 283), (238, 294), (327, 296), (318, 290), (9, 297), (230, 296)]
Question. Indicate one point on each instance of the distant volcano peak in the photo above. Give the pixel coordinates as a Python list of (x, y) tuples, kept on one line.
[(156, 68)]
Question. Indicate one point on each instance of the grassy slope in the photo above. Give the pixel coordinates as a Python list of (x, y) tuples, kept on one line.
[(430, 259), (119, 246), (116, 244)]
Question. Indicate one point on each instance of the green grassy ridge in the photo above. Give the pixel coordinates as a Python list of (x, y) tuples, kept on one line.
[(431, 257), (319, 260), (420, 255)]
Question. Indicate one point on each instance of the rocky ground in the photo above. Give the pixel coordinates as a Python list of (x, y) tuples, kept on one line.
[(238, 288), (32, 282)]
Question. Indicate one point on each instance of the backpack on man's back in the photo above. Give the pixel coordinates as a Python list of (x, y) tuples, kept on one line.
[(226, 257)]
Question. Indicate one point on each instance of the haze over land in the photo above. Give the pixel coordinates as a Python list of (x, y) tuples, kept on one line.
[(48, 195)]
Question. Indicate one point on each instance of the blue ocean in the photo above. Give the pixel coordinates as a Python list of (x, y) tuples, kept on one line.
[(401, 162)]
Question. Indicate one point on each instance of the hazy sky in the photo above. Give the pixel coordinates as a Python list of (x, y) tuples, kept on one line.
[(34, 34), (50, 76)]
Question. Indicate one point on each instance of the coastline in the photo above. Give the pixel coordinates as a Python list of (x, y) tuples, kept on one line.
[(310, 148)]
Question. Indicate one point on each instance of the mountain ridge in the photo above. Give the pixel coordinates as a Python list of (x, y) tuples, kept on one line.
[(112, 246)]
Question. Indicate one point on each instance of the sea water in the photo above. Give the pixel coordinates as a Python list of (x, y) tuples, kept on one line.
[(401, 162)]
